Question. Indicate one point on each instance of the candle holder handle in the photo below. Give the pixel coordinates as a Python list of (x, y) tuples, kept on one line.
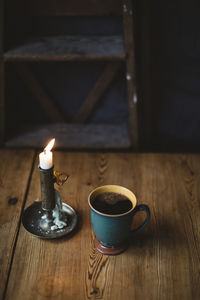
[(60, 177)]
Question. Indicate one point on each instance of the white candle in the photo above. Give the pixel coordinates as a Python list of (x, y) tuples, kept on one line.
[(46, 157)]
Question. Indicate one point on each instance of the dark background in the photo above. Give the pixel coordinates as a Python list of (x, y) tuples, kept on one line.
[(167, 38), (175, 48)]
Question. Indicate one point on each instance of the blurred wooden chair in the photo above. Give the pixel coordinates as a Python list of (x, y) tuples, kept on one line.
[(115, 50)]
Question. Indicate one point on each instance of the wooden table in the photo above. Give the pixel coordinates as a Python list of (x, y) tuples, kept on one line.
[(162, 262)]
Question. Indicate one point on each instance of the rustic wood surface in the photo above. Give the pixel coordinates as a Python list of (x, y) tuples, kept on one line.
[(15, 168), (68, 48), (162, 262)]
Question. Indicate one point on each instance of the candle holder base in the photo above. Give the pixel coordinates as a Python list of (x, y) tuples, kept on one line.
[(41, 223)]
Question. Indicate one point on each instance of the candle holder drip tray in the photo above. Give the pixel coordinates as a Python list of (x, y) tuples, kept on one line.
[(50, 224)]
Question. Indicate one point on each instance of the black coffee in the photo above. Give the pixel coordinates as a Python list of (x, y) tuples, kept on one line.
[(112, 203)]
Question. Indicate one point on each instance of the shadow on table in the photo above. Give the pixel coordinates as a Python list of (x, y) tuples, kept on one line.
[(162, 233)]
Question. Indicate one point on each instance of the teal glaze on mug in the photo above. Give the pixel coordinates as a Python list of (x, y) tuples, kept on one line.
[(113, 230)]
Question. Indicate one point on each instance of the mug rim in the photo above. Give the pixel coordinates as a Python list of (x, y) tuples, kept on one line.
[(113, 186)]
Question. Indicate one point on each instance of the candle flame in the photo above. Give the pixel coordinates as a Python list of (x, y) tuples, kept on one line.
[(50, 145)]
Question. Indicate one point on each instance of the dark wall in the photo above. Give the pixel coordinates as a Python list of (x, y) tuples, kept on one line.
[(175, 70)]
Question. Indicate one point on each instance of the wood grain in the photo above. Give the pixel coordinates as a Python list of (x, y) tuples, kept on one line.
[(162, 262), (15, 167)]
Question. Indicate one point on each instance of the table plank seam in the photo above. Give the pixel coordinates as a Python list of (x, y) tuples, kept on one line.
[(19, 224)]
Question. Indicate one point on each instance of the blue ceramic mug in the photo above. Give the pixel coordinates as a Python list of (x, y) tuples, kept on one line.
[(113, 230)]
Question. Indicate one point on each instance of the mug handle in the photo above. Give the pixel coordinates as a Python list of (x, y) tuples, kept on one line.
[(141, 207)]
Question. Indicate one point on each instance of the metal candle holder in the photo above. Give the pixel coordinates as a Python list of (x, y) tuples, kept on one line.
[(50, 218)]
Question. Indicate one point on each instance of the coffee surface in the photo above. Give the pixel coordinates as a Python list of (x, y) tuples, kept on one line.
[(112, 203)]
